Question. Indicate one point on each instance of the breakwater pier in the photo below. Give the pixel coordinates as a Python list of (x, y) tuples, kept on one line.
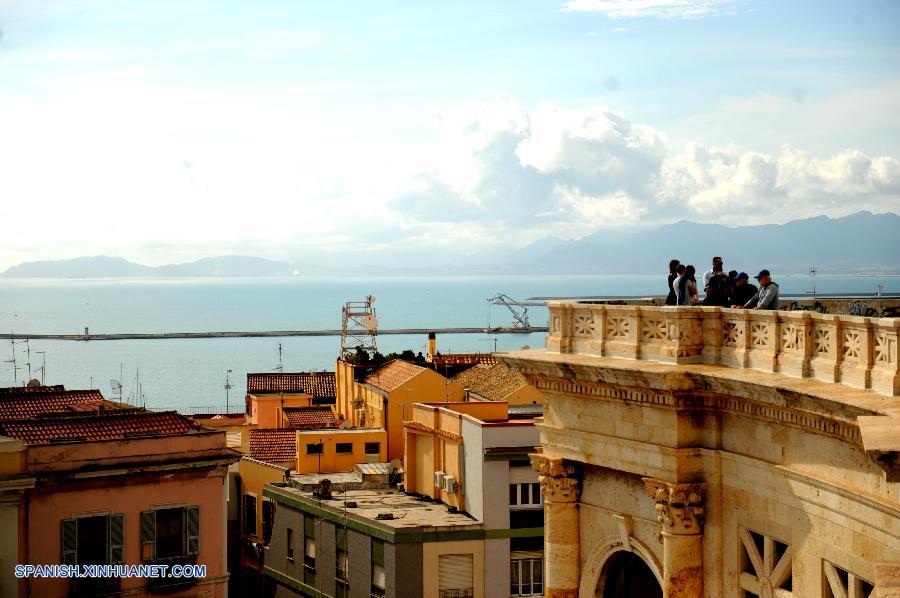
[(90, 336)]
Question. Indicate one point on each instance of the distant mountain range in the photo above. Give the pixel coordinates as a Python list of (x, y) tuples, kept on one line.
[(102, 266), (860, 243)]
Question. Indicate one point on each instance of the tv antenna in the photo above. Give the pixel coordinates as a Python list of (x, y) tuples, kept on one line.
[(812, 275), (359, 326), (280, 368), (228, 386), (43, 368)]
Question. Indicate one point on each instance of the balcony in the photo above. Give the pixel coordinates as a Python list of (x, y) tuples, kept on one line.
[(161, 585), (852, 350), (457, 593)]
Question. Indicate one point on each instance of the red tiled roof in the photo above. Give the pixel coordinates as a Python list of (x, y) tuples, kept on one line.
[(93, 427), (464, 358), (494, 382), (316, 384), (273, 445), (23, 403), (393, 374), (310, 418)]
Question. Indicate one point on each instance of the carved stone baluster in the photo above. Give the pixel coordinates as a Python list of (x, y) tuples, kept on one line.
[(886, 366)]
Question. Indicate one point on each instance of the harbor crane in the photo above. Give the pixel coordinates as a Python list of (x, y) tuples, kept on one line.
[(517, 308)]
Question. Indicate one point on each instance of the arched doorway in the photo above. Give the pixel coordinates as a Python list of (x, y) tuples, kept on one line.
[(626, 575)]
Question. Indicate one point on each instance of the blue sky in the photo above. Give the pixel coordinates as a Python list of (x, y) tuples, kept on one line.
[(167, 131)]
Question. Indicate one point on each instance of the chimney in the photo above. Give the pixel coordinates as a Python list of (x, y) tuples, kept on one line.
[(432, 347)]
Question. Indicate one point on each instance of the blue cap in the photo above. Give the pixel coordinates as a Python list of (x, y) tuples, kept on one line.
[(743, 275), (762, 273)]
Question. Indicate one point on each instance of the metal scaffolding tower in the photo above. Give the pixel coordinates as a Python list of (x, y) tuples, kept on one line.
[(359, 326), (518, 309)]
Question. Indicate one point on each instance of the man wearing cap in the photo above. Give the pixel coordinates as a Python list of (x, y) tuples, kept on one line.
[(767, 295), (742, 291)]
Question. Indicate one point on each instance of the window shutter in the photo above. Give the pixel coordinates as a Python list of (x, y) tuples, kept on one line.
[(148, 534), (69, 531), (116, 539), (193, 530), (455, 571)]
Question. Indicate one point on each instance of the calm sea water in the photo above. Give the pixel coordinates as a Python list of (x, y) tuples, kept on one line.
[(191, 372)]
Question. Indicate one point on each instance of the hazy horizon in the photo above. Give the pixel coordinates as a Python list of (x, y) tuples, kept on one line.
[(164, 132)]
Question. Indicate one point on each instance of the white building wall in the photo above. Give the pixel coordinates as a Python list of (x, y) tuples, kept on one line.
[(473, 474)]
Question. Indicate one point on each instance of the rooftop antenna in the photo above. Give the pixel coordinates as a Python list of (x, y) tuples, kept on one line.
[(28, 354), (228, 386), (15, 369), (280, 367), (812, 275), (43, 368)]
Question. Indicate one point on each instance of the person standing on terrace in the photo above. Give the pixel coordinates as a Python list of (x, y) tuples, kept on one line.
[(673, 274), (717, 264), (686, 287), (767, 295)]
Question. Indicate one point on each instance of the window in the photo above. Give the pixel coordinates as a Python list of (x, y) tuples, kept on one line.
[(840, 582), (766, 565), (268, 519), (525, 495), (290, 544), (98, 540), (378, 578), (455, 576), (342, 567), (314, 449), (526, 577), (249, 514), (373, 448), (344, 448), (170, 533), (309, 551)]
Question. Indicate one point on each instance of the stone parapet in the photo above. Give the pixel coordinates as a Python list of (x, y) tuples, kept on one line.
[(853, 350)]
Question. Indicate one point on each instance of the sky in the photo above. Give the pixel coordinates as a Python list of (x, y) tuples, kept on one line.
[(166, 131)]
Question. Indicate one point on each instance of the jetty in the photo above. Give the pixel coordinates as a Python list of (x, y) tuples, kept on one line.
[(90, 336)]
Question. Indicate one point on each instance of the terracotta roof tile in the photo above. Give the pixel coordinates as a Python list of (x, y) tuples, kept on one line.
[(494, 382), (23, 403), (104, 426), (465, 358), (310, 418), (273, 445), (393, 374), (316, 384)]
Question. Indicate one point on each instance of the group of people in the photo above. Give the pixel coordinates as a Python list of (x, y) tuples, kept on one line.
[(720, 288)]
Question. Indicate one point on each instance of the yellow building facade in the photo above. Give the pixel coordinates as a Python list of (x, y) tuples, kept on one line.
[(327, 451)]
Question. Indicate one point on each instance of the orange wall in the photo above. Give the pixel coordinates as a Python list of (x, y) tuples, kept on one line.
[(265, 410), (46, 510), (526, 395), (330, 461), (254, 475)]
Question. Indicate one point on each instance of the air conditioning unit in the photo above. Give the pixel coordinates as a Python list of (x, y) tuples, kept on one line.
[(450, 484), (439, 479)]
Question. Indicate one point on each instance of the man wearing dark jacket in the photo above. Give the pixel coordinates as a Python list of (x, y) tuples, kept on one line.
[(742, 291)]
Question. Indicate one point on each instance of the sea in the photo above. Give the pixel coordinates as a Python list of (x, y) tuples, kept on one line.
[(192, 375)]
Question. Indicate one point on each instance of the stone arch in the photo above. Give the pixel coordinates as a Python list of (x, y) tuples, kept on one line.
[(606, 548)]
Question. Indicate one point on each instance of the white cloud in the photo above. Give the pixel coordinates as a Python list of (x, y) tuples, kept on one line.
[(660, 9), (574, 170)]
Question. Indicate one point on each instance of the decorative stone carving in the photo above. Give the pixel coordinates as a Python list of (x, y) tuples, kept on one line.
[(617, 327), (654, 330), (679, 507), (584, 325), (560, 478)]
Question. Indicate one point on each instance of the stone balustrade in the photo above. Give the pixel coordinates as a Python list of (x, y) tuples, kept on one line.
[(852, 350)]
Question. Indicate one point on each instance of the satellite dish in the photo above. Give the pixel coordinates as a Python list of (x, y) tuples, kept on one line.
[(34, 382), (370, 323)]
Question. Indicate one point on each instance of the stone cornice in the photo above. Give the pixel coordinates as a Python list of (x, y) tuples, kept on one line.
[(679, 507)]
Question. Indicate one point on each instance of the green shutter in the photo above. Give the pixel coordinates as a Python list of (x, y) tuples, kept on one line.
[(309, 526), (193, 530), (148, 534), (116, 539), (378, 551), (69, 530)]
